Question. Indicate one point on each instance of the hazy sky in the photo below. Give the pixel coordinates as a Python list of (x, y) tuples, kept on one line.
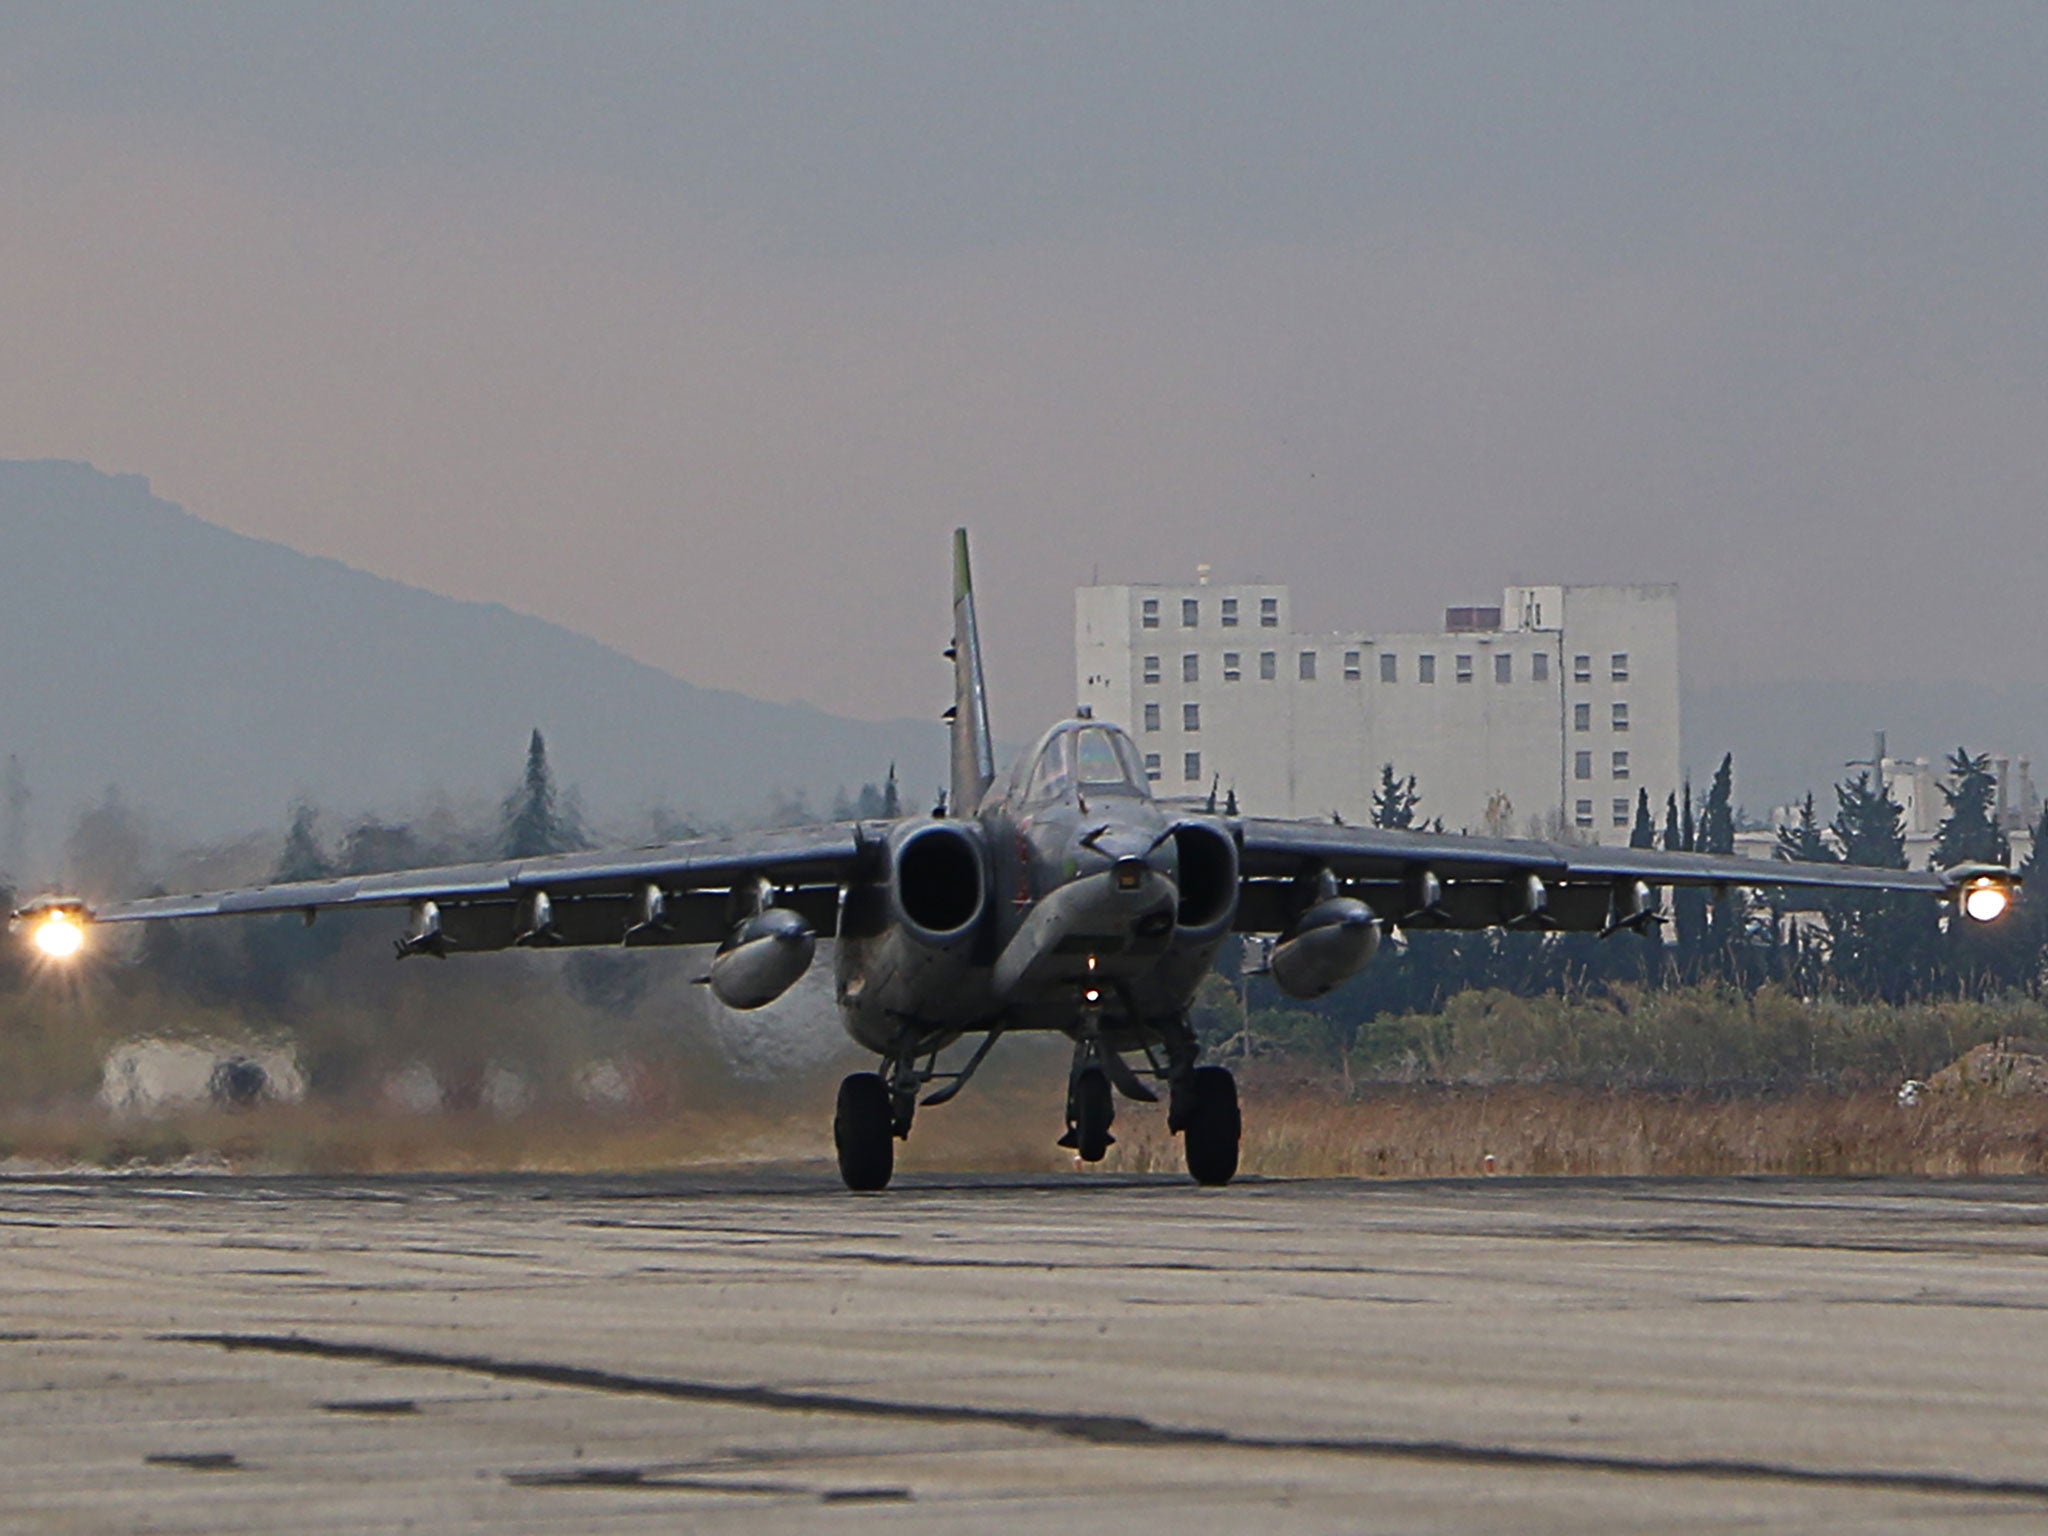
[(696, 327)]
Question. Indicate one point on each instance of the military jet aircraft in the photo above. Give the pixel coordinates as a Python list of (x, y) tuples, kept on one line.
[(1061, 898)]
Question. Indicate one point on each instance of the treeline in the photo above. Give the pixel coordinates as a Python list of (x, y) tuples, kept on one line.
[(1593, 1005), (331, 989)]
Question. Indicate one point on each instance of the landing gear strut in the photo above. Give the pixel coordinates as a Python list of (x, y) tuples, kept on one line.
[(1091, 1110)]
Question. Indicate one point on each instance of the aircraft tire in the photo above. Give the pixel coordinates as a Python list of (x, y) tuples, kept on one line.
[(1093, 1111), (1214, 1127), (864, 1132)]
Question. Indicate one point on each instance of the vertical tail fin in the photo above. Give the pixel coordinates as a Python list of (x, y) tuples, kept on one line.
[(974, 755)]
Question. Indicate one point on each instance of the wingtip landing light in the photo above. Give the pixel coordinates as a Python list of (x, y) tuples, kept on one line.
[(1985, 898), (57, 928), (60, 936)]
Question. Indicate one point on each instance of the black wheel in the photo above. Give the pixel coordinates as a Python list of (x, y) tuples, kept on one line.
[(1214, 1127), (864, 1131), (1093, 1111)]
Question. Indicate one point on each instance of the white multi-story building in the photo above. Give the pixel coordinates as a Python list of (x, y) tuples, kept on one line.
[(1541, 717)]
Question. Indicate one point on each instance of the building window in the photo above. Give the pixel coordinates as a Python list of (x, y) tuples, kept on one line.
[(1582, 765), (1191, 668), (1582, 813), (1151, 669), (1582, 717), (1351, 667), (1191, 717), (1621, 816), (1621, 765), (1503, 668), (1425, 669), (1582, 669), (1618, 666), (1190, 613), (1269, 613), (1308, 666), (1149, 613), (1191, 766), (1464, 669), (1230, 613), (1390, 667), (1231, 670), (1151, 717), (1539, 667), (1269, 666), (1621, 717), (1152, 766)]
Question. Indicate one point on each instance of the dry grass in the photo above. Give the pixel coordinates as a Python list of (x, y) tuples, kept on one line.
[(1432, 1133), (1290, 1130)]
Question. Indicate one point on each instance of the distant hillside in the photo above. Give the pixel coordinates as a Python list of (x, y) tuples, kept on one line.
[(214, 677)]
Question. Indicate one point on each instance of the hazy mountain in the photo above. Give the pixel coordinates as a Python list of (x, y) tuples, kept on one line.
[(214, 677)]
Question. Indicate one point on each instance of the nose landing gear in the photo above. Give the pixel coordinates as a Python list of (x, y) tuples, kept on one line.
[(1091, 1110)]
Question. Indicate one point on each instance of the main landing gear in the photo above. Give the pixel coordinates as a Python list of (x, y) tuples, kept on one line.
[(875, 1108), (1206, 1115), (864, 1132)]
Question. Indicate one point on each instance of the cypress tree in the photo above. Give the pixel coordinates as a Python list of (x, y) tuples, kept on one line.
[(534, 825), (1717, 816), (1644, 833)]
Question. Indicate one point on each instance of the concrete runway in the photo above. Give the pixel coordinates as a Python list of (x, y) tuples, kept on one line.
[(767, 1353)]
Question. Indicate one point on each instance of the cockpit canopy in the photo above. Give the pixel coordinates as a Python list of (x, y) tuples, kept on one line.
[(1095, 759)]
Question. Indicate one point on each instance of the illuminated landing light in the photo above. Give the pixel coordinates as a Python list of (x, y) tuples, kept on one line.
[(1985, 900), (1091, 995), (60, 936)]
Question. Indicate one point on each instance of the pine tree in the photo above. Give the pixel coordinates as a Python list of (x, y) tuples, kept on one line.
[(303, 858), (1644, 833), (2035, 865), (1970, 832), (534, 825), (1394, 803), (1869, 825), (1804, 842), (1885, 945), (2005, 953)]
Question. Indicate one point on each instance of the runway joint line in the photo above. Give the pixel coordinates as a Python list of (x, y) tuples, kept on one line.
[(1113, 1430)]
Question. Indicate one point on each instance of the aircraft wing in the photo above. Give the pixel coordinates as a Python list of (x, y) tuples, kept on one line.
[(1455, 881), (672, 893)]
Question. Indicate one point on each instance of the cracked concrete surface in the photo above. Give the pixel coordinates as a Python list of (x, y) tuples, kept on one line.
[(765, 1352)]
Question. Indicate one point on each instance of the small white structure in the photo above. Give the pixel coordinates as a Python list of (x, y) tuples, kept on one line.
[(1542, 716), (155, 1076)]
